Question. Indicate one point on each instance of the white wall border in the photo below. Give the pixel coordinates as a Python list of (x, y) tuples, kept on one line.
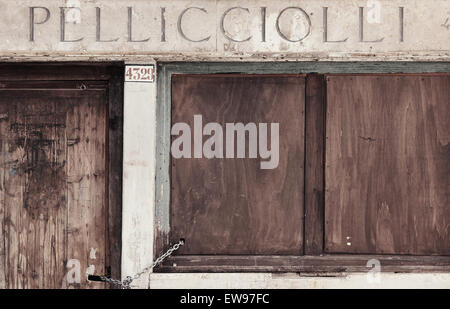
[(295, 281), (139, 135)]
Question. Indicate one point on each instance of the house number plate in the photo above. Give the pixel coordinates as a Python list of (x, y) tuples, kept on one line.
[(140, 73)]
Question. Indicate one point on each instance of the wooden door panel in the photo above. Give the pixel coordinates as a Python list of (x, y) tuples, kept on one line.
[(232, 206), (86, 188), (52, 183), (388, 164)]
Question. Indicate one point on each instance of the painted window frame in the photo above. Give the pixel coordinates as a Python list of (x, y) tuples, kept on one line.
[(314, 260)]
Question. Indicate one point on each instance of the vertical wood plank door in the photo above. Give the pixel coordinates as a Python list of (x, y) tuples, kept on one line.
[(388, 164), (231, 205), (53, 184)]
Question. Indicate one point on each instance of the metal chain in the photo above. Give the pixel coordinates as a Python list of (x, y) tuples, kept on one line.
[(125, 284)]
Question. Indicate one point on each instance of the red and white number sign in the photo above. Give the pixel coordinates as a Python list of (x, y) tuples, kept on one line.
[(140, 73)]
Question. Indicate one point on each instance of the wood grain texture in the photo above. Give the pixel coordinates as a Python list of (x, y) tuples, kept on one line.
[(114, 171), (100, 71), (52, 183), (86, 184), (314, 163), (324, 265), (231, 206), (303, 67), (388, 164)]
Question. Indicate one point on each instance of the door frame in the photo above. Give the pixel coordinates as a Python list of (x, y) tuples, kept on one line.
[(315, 260), (113, 74)]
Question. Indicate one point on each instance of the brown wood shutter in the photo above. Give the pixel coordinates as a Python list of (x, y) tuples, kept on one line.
[(388, 164), (373, 183), (231, 206)]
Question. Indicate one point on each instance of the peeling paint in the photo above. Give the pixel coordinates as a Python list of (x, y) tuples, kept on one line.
[(90, 270), (92, 254)]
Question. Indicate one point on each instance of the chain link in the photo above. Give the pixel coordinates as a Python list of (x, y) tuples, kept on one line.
[(125, 284)]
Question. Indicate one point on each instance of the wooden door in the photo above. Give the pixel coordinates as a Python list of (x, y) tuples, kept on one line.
[(53, 183), (231, 205), (388, 164)]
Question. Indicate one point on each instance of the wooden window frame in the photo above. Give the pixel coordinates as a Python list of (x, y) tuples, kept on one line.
[(315, 260), (113, 74)]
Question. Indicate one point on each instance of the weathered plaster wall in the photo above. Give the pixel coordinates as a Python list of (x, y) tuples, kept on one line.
[(422, 33), (138, 177), (294, 281)]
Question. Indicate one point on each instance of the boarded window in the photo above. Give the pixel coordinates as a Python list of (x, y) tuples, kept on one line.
[(363, 173), (232, 206), (388, 164)]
